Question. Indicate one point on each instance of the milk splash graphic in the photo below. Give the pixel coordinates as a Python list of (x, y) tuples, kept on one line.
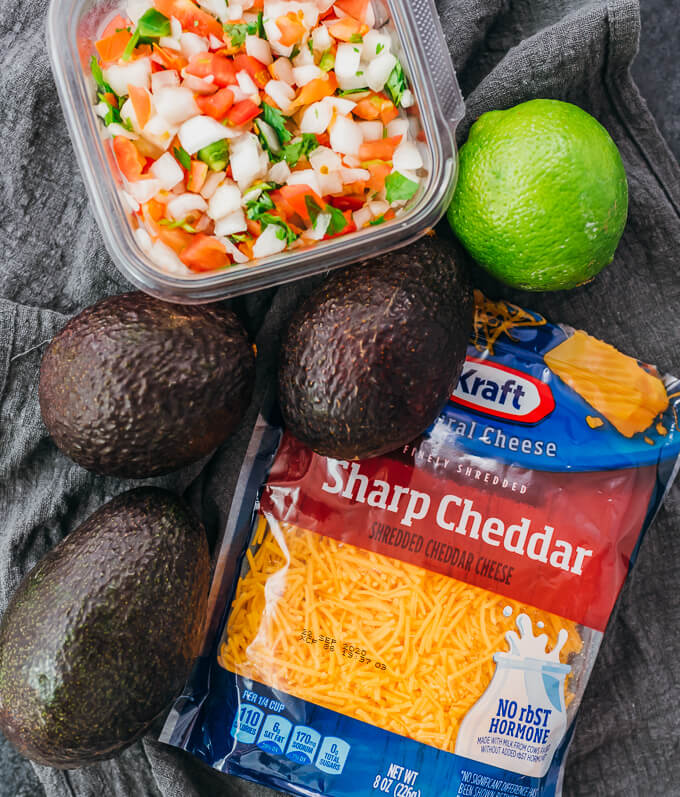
[(520, 720)]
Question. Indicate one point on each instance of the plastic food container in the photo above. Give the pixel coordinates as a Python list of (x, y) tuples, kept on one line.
[(72, 29)]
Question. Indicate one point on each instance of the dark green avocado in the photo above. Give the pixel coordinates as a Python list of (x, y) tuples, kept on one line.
[(100, 636), (371, 357), (136, 387)]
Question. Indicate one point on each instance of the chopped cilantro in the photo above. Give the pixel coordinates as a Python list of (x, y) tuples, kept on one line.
[(292, 153), (257, 28), (237, 33), (399, 187), (345, 92), (379, 47), (182, 225), (134, 41), (338, 221), (396, 84), (256, 207), (295, 51), (356, 38), (379, 220), (327, 61), (98, 76), (239, 238), (272, 116), (312, 208), (183, 157), (284, 234), (310, 45)]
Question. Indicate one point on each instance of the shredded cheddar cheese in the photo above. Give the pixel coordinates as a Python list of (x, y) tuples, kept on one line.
[(368, 636)]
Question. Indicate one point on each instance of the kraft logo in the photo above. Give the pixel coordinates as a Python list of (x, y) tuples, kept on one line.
[(503, 392)]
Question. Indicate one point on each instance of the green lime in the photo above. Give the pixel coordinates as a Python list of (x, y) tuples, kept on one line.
[(542, 196)]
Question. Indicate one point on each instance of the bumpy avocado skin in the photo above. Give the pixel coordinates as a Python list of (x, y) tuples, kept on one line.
[(101, 634), (371, 357), (135, 387)]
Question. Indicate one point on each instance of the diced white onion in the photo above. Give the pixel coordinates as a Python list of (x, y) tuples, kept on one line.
[(136, 73), (143, 238), (130, 201), (399, 127), (136, 9), (144, 190), (165, 258), (176, 104), (374, 40), (269, 242), (281, 93), (127, 114), (279, 173), (317, 232), (407, 99), (216, 7), (371, 131), (234, 11), (168, 171), (236, 254), (246, 163), (330, 183), (193, 44), (239, 94), (170, 44), (354, 175), (341, 105), (215, 43), (211, 184), (346, 136), (201, 131), (378, 207), (224, 201), (351, 161), (324, 160), (305, 74), (321, 39), (101, 109), (260, 49), (347, 60), (316, 118), (198, 85), (118, 130), (167, 79), (234, 223), (379, 70), (305, 177), (180, 207), (361, 217), (283, 70), (246, 83), (303, 58), (158, 127), (407, 156), (352, 82), (270, 135), (175, 28)]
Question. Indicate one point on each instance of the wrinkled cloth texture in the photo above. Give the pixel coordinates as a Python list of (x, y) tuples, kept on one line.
[(53, 264)]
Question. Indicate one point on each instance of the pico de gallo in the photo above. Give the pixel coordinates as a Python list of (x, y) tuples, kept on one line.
[(244, 129)]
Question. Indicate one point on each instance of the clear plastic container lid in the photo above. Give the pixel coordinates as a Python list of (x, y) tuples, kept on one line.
[(74, 26)]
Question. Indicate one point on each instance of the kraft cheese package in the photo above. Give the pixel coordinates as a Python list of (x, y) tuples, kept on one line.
[(425, 622)]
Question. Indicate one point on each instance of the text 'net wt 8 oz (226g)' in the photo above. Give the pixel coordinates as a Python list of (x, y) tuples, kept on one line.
[(425, 622)]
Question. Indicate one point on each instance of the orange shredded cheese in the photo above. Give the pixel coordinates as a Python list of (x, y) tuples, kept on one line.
[(368, 636)]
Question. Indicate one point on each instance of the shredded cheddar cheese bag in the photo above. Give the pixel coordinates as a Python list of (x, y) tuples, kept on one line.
[(424, 623)]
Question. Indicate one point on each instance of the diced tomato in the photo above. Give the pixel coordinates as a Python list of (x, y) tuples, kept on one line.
[(256, 69), (243, 112), (170, 58), (254, 227), (111, 98), (216, 105), (221, 67), (379, 171), (353, 8), (349, 227), (178, 240), (296, 197), (111, 48), (141, 102), (197, 176), (350, 202), (130, 162), (155, 209), (323, 139), (205, 253), (117, 23), (192, 18), (381, 149), (315, 90), (388, 112), (292, 29), (365, 109), (347, 28)]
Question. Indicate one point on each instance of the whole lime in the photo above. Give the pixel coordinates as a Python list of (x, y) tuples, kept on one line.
[(542, 197)]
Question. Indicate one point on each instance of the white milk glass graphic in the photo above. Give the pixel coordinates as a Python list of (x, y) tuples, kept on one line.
[(520, 720)]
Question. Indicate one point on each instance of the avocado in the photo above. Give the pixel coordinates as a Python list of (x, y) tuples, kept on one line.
[(135, 387), (371, 357), (101, 635)]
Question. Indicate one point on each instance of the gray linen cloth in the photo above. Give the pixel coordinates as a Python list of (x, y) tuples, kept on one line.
[(53, 264)]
